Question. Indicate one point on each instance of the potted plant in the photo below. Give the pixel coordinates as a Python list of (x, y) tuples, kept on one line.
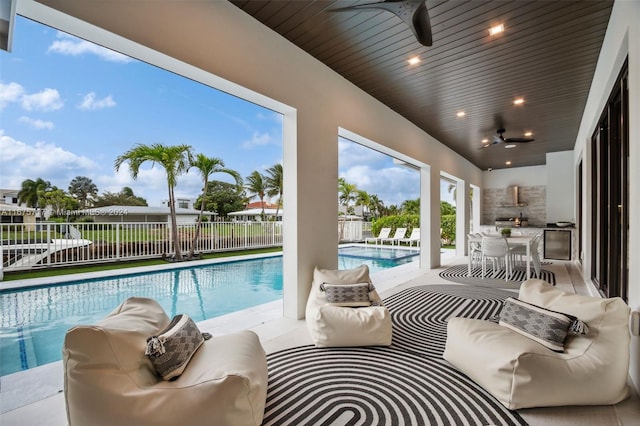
[(506, 232)]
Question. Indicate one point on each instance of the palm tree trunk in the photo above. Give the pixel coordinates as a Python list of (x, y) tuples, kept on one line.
[(199, 224), (174, 225)]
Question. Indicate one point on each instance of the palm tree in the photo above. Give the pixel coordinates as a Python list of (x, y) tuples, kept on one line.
[(83, 188), (174, 159), (363, 199), (346, 193), (274, 184), (208, 166), (256, 187), (376, 205), (30, 191)]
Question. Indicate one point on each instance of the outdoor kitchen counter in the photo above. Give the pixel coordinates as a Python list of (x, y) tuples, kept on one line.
[(533, 230)]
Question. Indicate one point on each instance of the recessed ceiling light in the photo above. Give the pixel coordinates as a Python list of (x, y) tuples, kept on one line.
[(460, 114), (511, 145), (496, 29), (485, 140), (527, 134), (518, 101), (414, 60), (508, 163)]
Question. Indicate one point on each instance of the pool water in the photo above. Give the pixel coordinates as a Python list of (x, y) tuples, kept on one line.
[(35, 320)]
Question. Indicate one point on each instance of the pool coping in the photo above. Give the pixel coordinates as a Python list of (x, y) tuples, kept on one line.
[(80, 276)]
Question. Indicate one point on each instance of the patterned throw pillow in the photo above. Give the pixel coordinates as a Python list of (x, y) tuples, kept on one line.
[(549, 328), (172, 349), (353, 295)]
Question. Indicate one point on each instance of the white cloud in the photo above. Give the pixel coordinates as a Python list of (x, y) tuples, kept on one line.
[(46, 100), (73, 46), (351, 154), (11, 92), (376, 173), (258, 139), (36, 123), (90, 103), (20, 161), (393, 185)]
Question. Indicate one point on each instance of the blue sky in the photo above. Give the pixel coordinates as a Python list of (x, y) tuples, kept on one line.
[(69, 108)]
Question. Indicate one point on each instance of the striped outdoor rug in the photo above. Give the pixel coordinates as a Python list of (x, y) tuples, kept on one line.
[(407, 383), (458, 274)]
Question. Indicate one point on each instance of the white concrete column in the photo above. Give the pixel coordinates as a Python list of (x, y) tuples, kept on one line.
[(429, 217), (462, 217), (310, 220)]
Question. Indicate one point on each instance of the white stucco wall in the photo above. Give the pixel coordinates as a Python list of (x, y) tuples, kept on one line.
[(560, 187), (521, 176)]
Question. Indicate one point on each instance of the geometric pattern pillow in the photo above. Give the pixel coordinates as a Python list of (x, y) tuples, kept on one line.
[(353, 295), (549, 328), (171, 349)]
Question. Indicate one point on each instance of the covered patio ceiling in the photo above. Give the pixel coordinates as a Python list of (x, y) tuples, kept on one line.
[(546, 55)]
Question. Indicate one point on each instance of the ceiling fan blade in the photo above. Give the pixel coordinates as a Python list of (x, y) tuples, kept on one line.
[(422, 25), (414, 13), (518, 140)]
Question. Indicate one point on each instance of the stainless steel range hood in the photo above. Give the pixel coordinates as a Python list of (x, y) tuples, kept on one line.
[(512, 198)]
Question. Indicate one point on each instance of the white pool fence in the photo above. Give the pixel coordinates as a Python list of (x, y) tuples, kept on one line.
[(42, 245)]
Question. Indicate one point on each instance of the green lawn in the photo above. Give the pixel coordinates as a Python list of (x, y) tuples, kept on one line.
[(51, 272)]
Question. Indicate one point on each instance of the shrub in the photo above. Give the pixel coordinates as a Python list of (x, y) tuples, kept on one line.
[(408, 221), (448, 226)]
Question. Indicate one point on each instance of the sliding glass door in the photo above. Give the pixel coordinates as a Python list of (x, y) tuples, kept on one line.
[(610, 206)]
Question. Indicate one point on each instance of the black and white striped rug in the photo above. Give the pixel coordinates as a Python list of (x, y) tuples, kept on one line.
[(459, 274), (407, 383)]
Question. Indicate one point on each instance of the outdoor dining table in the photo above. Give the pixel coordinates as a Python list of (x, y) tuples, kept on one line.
[(513, 241)]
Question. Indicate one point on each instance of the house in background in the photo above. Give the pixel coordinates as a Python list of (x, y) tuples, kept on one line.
[(181, 203), (142, 214), (253, 212), (14, 214), (9, 196)]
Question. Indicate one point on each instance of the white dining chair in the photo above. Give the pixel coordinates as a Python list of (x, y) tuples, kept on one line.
[(475, 249), (496, 249)]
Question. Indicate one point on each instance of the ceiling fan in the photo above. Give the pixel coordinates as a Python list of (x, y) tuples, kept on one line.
[(499, 138), (413, 12)]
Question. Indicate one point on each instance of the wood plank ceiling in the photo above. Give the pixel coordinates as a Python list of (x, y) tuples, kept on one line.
[(546, 55)]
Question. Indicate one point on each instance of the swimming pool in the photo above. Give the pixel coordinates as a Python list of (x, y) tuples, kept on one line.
[(35, 320)]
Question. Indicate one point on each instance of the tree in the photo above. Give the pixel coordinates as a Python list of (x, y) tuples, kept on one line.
[(346, 193), (256, 187), (30, 191), (126, 197), (59, 201), (274, 184), (446, 208), (363, 199), (83, 189), (174, 159), (222, 198), (207, 166), (376, 205), (411, 206)]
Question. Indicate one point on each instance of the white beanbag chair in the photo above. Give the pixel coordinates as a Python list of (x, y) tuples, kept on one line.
[(333, 325), (522, 373)]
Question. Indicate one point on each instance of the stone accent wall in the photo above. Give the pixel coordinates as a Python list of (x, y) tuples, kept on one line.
[(535, 198)]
